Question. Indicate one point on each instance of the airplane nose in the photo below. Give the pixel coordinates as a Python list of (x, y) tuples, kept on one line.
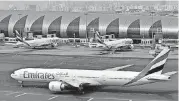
[(13, 76)]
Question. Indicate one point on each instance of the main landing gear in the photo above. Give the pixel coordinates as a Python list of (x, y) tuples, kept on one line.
[(81, 89)]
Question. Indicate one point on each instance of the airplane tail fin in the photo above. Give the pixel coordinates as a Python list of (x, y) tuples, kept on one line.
[(154, 67), (99, 39), (19, 38)]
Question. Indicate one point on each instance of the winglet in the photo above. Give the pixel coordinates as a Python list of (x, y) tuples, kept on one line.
[(155, 66)]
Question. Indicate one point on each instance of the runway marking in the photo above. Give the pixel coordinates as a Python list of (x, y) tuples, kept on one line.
[(90, 99), (20, 95), (12, 93), (34, 94), (52, 97)]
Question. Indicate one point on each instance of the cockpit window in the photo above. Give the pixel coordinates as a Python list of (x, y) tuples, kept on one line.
[(13, 72)]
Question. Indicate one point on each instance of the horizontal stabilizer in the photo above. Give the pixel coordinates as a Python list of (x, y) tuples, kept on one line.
[(170, 73), (158, 79)]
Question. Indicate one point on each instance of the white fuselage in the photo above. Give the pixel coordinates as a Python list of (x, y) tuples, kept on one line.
[(105, 78), (39, 42), (118, 43)]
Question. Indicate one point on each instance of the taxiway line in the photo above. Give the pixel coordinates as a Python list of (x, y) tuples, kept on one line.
[(90, 99), (53, 97), (20, 95)]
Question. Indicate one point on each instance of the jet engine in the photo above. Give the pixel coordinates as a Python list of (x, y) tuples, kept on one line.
[(131, 46), (57, 86), (54, 44)]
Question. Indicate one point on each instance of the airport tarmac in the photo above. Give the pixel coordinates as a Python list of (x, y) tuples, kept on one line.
[(10, 90), (83, 51)]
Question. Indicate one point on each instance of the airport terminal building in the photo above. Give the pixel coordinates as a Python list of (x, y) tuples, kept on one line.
[(70, 24)]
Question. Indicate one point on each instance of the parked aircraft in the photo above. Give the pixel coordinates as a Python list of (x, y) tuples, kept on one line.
[(121, 44), (73, 79), (156, 48), (37, 43)]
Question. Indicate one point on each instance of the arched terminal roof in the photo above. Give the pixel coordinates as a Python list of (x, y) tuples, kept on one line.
[(155, 28), (4, 25), (133, 30), (94, 24), (37, 26), (20, 24), (113, 28), (99, 21), (55, 27), (73, 28)]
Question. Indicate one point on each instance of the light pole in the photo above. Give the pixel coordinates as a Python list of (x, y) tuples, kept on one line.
[(114, 13), (20, 26), (86, 27), (74, 37), (153, 40), (152, 24)]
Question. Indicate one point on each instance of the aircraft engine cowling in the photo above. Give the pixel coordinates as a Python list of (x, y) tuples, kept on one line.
[(54, 44), (57, 86), (131, 46)]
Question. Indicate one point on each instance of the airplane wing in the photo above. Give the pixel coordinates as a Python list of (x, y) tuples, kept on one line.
[(118, 68), (77, 82)]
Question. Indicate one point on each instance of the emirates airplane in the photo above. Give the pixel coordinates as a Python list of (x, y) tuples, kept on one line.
[(73, 79), (121, 44), (37, 43)]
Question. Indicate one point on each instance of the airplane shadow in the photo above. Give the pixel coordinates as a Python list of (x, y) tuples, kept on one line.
[(163, 93)]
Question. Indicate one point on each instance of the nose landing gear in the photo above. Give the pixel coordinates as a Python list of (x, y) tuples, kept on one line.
[(21, 82)]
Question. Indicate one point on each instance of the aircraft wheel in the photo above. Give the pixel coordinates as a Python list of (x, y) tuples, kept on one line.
[(81, 92), (81, 89), (21, 83)]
